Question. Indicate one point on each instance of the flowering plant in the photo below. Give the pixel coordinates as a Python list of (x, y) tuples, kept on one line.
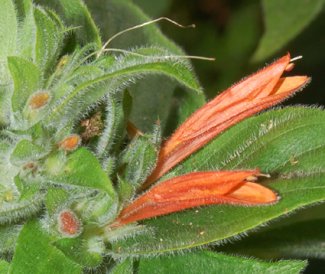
[(91, 182)]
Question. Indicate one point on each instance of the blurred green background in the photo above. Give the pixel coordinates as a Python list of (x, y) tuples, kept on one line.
[(246, 34)]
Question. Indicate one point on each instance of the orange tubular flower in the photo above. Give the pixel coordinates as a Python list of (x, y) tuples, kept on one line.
[(253, 94), (196, 189)]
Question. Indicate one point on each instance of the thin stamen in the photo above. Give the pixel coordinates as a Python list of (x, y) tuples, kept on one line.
[(296, 58)]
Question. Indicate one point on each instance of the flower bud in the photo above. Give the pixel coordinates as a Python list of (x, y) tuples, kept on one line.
[(68, 223), (70, 143), (39, 99)]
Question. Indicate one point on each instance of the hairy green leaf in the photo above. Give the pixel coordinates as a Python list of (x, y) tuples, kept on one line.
[(83, 169), (77, 15), (26, 151), (27, 80), (35, 254), (282, 143), (26, 29), (124, 267), (8, 238), (8, 38), (16, 206), (139, 158), (8, 31), (86, 252), (127, 68), (114, 126), (49, 39), (4, 266), (209, 262)]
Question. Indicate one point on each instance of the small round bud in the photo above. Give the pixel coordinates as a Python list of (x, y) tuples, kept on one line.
[(39, 99), (70, 143), (68, 223)]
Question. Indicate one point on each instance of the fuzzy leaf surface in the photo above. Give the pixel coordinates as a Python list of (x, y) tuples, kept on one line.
[(76, 14), (8, 37), (124, 267), (83, 169), (27, 29), (282, 143), (35, 254), (8, 238), (49, 38), (27, 79), (209, 262), (120, 74), (4, 266)]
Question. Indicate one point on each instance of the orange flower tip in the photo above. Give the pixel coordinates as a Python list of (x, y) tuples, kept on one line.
[(291, 84), (70, 143), (68, 223), (254, 178), (39, 99), (254, 194), (251, 178), (291, 65)]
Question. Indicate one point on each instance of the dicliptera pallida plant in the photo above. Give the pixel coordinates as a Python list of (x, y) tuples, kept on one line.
[(75, 172)]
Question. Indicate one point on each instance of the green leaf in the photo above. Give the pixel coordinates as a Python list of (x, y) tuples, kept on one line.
[(14, 210), (282, 143), (114, 126), (139, 158), (27, 29), (158, 9), (4, 266), (49, 39), (209, 262), (26, 151), (86, 252), (284, 20), (8, 31), (272, 141), (127, 68), (35, 254), (297, 240), (124, 267), (83, 169), (55, 197), (27, 80), (8, 38), (155, 90), (8, 238), (120, 15), (28, 189), (76, 14)]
